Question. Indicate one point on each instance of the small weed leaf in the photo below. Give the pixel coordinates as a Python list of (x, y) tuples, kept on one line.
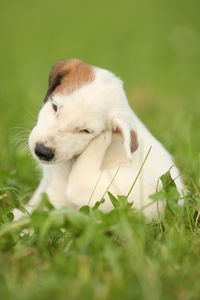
[(52, 224), (98, 204), (123, 201), (85, 209), (161, 195), (45, 203), (114, 200), (40, 214), (171, 194), (6, 215), (10, 216), (167, 181)]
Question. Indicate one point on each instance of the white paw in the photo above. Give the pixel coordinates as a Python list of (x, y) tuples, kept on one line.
[(104, 139), (18, 214), (107, 137)]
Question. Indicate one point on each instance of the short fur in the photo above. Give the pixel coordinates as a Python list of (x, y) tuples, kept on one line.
[(68, 75), (96, 136)]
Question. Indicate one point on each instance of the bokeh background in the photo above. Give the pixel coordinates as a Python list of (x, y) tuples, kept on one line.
[(153, 45)]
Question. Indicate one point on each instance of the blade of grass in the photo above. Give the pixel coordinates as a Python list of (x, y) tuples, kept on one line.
[(138, 174), (158, 210), (195, 187), (15, 225), (110, 183), (187, 210), (95, 188)]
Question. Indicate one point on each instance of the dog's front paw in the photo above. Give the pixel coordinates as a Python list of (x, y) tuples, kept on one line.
[(103, 140), (18, 214), (107, 137)]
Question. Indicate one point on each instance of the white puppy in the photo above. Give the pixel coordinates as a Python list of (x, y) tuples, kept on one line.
[(88, 141)]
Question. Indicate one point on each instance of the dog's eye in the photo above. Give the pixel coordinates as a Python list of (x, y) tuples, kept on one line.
[(88, 131), (55, 107)]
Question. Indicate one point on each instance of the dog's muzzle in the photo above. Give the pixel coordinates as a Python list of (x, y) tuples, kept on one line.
[(43, 152)]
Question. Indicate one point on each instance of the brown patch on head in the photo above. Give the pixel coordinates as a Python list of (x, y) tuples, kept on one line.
[(69, 75), (134, 141)]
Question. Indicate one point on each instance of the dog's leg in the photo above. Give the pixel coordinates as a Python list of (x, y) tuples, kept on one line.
[(57, 186), (90, 161), (34, 201), (87, 169), (53, 183)]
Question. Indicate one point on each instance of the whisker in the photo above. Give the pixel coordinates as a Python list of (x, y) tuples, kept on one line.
[(31, 114), (19, 138)]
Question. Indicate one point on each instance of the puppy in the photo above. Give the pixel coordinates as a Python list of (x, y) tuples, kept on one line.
[(88, 140)]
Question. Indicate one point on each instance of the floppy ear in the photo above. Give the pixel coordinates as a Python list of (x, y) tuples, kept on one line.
[(55, 77), (69, 75), (125, 128)]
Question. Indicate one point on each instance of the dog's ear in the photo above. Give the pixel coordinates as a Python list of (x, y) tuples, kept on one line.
[(121, 125), (68, 75), (55, 77)]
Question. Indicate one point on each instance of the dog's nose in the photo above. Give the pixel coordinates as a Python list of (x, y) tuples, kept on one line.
[(44, 153)]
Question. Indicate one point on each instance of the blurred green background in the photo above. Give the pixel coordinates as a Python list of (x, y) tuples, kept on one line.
[(153, 45)]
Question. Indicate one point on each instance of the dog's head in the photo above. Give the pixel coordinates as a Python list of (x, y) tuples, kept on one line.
[(81, 102)]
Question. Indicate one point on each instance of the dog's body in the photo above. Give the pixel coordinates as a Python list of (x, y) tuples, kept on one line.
[(89, 141)]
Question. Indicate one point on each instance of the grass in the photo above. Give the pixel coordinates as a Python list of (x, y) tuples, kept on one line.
[(155, 47), (92, 255)]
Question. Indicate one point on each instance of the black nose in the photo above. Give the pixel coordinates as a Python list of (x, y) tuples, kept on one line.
[(44, 153)]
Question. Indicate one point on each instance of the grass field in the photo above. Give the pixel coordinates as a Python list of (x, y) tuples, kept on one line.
[(154, 46)]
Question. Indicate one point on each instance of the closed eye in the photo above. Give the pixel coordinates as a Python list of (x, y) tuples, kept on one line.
[(86, 130)]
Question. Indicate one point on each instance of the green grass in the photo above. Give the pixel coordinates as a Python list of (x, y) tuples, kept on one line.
[(154, 46)]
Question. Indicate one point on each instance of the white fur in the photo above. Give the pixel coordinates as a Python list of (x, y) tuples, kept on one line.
[(82, 159)]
